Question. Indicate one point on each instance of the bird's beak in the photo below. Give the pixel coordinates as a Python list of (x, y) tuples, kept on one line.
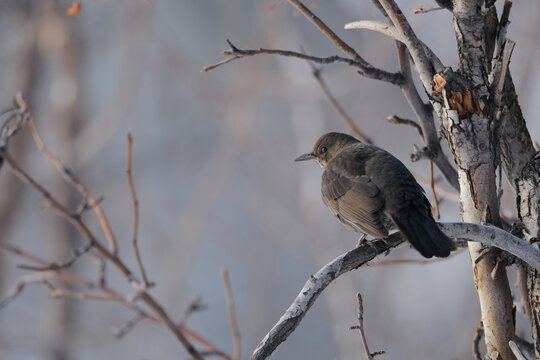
[(304, 157)]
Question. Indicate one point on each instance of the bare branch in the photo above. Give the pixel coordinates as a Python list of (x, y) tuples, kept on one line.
[(232, 314), (120, 331), (111, 256), (58, 293), (360, 326), (367, 69), (315, 285), (377, 26), (394, 119), (371, 72), (75, 254), (425, 65), (64, 212), (493, 236), (432, 185), (421, 10), (21, 284), (193, 306), (66, 173), (364, 253), (72, 278), (425, 116), (135, 210), (339, 109)]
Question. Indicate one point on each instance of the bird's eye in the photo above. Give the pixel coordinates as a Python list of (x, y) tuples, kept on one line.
[(323, 149)]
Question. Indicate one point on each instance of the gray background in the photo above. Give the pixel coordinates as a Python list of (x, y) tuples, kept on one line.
[(215, 178)]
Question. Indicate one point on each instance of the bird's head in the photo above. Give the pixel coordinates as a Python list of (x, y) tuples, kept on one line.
[(328, 147)]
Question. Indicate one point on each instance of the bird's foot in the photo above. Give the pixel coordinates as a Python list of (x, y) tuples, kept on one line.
[(362, 240)]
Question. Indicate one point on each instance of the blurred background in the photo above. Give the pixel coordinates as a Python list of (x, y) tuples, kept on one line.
[(215, 177)]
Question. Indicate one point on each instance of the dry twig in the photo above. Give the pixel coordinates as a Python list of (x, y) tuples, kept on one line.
[(421, 10), (339, 109), (71, 278), (111, 254), (120, 331), (232, 314), (67, 174), (394, 119), (135, 210), (360, 326), (432, 185), (236, 53), (193, 306)]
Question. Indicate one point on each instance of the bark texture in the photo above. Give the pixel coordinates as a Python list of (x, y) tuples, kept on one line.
[(464, 109)]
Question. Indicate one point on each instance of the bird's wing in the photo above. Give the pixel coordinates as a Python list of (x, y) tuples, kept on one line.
[(353, 197)]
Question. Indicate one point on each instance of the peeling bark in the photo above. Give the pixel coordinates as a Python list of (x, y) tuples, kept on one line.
[(463, 108)]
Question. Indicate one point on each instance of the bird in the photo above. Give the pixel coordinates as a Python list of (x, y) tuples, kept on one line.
[(370, 191)]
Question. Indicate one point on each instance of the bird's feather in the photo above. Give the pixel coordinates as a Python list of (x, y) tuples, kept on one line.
[(354, 198)]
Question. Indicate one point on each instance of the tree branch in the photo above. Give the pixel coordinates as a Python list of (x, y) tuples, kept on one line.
[(370, 72), (377, 26), (339, 109), (135, 210), (425, 65), (359, 256)]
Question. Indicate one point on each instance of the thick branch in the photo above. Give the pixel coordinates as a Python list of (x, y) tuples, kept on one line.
[(359, 256)]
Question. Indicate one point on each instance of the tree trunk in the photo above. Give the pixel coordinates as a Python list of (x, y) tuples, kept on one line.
[(464, 110)]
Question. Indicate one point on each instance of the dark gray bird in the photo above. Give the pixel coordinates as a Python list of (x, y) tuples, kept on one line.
[(368, 189)]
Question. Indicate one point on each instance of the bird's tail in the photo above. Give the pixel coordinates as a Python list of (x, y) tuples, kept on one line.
[(423, 233)]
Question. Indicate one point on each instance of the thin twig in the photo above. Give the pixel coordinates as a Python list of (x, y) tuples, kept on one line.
[(507, 54), (339, 109), (135, 209), (394, 119), (432, 185), (424, 64), (232, 314), (366, 68), (75, 254), (120, 331), (58, 293), (360, 326), (421, 10), (67, 174), (193, 306), (111, 256), (102, 267), (19, 287), (445, 194), (64, 212), (74, 279)]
